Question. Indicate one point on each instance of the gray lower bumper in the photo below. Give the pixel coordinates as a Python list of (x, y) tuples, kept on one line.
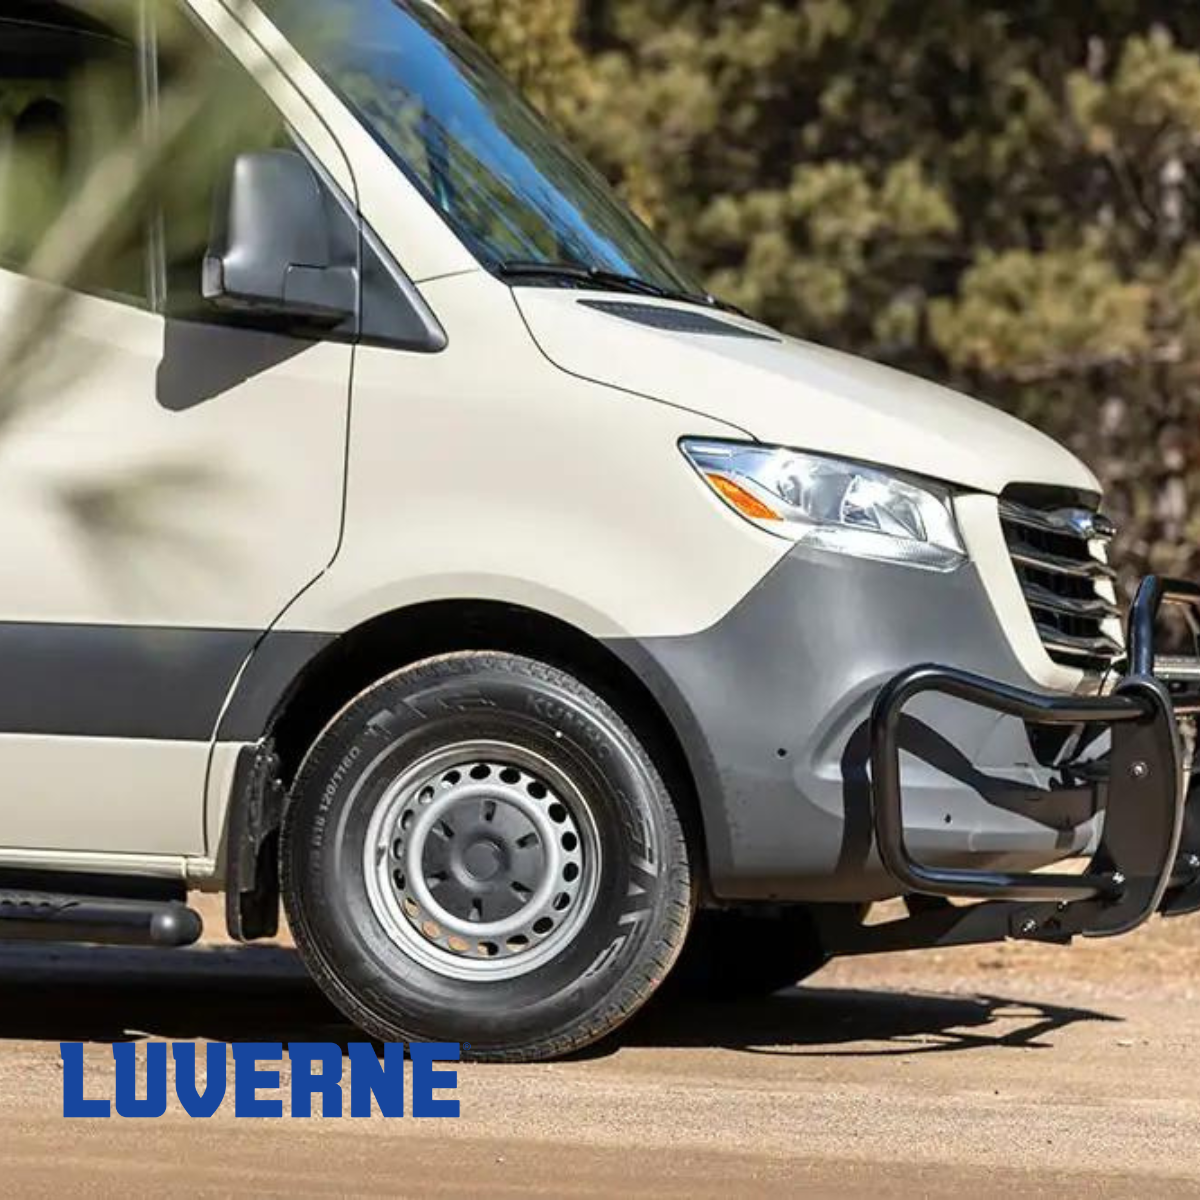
[(772, 707)]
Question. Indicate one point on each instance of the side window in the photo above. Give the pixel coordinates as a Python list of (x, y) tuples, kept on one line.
[(235, 116), (69, 110)]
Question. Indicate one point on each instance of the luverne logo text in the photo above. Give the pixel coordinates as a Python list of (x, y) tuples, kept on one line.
[(256, 1074)]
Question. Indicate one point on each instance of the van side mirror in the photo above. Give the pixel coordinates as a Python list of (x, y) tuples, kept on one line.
[(273, 249)]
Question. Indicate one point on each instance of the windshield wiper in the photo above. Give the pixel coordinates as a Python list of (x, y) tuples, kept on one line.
[(604, 279), (577, 273)]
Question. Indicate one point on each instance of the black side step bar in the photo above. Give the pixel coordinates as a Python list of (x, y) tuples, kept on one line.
[(52, 917)]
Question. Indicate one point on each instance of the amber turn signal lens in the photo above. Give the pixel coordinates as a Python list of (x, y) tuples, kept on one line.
[(748, 505)]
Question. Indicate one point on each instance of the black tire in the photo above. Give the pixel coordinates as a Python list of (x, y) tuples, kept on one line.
[(739, 954), (628, 938)]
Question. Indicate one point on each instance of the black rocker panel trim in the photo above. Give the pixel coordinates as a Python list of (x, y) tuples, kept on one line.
[(141, 682)]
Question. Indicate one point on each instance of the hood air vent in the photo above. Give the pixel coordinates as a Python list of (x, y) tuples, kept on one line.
[(675, 320)]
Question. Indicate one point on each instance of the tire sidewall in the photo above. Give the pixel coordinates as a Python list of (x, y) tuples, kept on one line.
[(412, 715)]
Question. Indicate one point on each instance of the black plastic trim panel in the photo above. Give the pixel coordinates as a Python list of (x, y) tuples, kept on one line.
[(140, 682)]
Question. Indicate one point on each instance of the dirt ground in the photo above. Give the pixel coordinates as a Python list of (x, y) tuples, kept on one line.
[(1036, 1070)]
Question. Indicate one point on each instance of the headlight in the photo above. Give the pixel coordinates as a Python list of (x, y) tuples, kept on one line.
[(833, 504)]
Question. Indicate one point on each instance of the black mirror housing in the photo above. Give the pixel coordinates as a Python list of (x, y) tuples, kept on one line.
[(273, 250)]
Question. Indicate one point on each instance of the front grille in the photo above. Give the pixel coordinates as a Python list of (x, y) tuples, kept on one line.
[(1060, 558)]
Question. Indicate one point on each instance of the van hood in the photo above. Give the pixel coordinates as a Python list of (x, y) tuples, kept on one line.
[(782, 391)]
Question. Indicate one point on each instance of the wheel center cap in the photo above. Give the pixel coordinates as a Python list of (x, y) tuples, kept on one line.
[(482, 860)]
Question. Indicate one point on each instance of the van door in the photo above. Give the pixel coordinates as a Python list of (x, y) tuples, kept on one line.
[(170, 478)]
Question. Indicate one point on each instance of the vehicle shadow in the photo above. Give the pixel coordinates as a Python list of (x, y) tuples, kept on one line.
[(109, 994), (852, 1022), (261, 993)]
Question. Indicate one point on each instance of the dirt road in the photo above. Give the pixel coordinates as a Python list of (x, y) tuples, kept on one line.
[(1025, 1069)]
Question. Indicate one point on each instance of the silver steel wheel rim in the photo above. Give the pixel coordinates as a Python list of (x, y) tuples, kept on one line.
[(482, 861)]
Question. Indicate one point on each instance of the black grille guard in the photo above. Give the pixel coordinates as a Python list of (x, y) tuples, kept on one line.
[(1138, 867)]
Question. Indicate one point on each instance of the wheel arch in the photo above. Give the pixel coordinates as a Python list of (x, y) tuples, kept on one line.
[(369, 652)]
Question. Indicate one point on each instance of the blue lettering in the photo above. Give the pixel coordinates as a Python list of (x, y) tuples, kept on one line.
[(155, 1103), (369, 1077), (193, 1103), (74, 1105), (425, 1078), (248, 1079), (305, 1084), (376, 1082)]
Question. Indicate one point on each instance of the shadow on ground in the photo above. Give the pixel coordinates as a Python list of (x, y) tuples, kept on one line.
[(853, 1022), (106, 994), (261, 994)]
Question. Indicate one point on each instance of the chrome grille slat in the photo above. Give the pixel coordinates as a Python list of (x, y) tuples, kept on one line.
[(1044, 598), (1057, 551), (1069, 522), (1067, 643), (1028, 556)]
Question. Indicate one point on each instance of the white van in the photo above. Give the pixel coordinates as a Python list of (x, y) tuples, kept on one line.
[(391, 524)]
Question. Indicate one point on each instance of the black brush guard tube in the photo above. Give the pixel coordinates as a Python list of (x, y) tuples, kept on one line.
[(1138, 856)]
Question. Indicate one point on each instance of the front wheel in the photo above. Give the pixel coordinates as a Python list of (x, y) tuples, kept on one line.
[(479, 850)]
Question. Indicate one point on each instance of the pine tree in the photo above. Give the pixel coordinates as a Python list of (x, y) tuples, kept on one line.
[(1002, 196)]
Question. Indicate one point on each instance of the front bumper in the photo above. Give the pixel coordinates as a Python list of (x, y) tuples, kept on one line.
[(772, 708)]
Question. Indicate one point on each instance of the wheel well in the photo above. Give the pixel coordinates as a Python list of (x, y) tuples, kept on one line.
[(395, 640)]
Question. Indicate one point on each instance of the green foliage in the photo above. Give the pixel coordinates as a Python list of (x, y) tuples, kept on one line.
[(1003, 196), (1029, 317)]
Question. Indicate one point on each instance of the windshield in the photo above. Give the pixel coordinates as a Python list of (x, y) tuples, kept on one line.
[(504, 181)]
